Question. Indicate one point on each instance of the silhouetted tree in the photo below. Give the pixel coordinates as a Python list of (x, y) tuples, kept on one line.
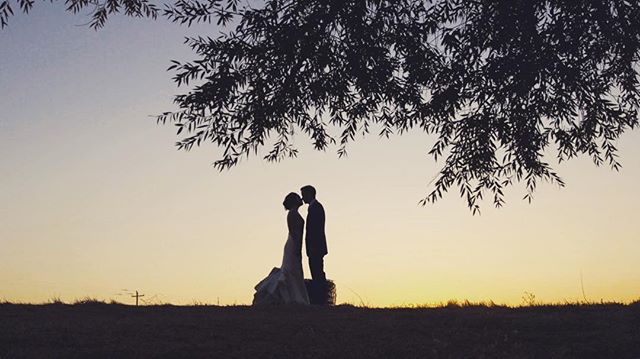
[(498, 82)]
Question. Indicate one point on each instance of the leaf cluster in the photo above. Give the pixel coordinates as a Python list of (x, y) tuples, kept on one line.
[(498, 82), (100, 10)]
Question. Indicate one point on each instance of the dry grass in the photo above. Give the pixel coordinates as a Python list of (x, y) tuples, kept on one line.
[(93, 329)]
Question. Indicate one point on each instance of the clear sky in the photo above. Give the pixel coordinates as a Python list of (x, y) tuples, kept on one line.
[(94, 197)]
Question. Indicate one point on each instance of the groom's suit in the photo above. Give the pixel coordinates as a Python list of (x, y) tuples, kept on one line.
[(315, 240)]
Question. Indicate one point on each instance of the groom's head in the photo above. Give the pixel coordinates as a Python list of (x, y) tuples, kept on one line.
[(308, 194)]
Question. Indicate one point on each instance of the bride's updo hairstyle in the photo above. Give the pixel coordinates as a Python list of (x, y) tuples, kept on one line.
[(292, 201)]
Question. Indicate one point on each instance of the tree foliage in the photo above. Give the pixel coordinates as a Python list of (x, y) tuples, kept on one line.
[(183, 11), (100, 9), (500, 83)]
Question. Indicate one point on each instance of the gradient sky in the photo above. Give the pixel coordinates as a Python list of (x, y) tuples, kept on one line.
[(94, 197)]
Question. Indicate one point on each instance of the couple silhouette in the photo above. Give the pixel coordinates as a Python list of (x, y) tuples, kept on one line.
[(286, 285)]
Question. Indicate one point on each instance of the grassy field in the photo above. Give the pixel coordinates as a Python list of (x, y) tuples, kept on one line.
[(98, 330)]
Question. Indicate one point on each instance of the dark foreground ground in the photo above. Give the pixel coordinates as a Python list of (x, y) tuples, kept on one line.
[(97, 330)]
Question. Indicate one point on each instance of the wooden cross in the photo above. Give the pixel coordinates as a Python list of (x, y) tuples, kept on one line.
[(137, 296)]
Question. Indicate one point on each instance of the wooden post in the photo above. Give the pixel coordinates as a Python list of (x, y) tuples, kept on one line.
[(137, 296)]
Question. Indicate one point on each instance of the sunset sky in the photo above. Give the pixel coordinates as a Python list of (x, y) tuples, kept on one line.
[(95, 198)]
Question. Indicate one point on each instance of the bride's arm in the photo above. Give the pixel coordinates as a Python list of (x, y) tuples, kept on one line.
[(294, 225)]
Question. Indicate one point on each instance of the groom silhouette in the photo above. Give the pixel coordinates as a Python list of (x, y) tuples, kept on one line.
[(315, 239)]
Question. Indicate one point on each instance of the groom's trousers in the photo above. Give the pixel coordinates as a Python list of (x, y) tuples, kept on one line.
[(316, 265)]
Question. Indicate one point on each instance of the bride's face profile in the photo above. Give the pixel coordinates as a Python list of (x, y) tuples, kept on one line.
[(292, 201)]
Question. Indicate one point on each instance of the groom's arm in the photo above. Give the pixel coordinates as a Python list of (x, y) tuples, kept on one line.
[(321, 220), (311, 218), (315, 222)]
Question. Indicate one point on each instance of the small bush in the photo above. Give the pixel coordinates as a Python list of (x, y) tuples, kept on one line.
[(88, 301), (321, 293), (55, 300)]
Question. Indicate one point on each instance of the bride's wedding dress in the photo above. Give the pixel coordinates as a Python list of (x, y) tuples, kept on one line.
[(285, 285)]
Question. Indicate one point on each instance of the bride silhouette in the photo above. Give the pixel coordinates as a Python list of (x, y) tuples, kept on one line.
[(285, 285)]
